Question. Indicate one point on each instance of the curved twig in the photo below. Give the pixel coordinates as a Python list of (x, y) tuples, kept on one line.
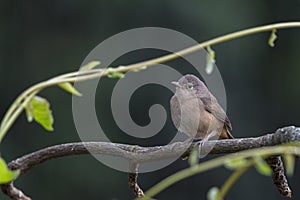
[(18, 105)]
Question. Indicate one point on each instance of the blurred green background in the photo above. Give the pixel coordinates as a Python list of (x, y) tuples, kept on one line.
[(41, 39)]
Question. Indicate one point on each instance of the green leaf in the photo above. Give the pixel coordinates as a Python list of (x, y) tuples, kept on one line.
[(39, 109), (7, 175), (212, 193), (236, 163), (90, 66), (210, 60), (194, 156), (262, 167), (69, 88), (289, 162), (272, 38), (115, 75)]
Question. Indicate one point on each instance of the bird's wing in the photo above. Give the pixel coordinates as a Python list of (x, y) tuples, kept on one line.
[(213, 107)]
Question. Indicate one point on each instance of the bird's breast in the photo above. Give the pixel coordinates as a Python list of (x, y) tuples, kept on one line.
[(185, 115), (190, 117)]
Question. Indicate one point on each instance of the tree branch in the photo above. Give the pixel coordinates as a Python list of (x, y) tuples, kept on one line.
[(132, 177), (278, 176), (14, 193), (138, 154)]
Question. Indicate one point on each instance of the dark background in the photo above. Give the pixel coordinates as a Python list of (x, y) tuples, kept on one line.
[(41, 39)]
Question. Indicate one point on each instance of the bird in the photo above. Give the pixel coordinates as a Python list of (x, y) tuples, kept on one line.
[(196, 112)]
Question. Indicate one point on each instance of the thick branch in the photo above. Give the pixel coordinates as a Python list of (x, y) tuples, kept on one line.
[(139, 154), (136, 154)]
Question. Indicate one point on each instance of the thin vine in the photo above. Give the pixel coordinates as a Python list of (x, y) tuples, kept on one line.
[(20, 103), (217, 162)]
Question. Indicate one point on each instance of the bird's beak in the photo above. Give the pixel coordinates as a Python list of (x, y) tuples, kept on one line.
[(175, 83)]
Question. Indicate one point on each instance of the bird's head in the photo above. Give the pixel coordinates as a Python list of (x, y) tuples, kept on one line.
[(189, 84)]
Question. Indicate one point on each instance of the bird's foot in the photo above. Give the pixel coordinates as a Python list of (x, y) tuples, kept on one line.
[(201, 145)]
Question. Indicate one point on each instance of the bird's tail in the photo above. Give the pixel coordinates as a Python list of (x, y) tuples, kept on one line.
[(226, 134)]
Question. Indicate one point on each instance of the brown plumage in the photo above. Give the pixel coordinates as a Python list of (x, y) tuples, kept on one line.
[(196, 112)]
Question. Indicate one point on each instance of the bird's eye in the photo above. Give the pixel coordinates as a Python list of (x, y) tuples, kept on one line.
[(189, 86)]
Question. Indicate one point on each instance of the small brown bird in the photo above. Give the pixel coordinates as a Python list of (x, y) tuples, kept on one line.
[(196, 112)]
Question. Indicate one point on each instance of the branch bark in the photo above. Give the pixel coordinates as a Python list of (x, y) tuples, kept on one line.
[(138, 154), (278, 176), (14, 193), (132, 177)]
